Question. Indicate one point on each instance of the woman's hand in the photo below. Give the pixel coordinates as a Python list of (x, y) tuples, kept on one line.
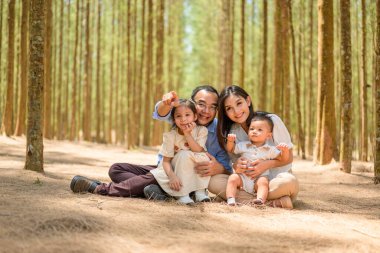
[(241, 165), (175, 183), (257, 167), (209, 168)]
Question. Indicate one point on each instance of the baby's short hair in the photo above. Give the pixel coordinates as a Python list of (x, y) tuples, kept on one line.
[(262, 117)]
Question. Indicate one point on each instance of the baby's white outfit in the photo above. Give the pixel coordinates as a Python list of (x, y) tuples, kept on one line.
[(252, 153)]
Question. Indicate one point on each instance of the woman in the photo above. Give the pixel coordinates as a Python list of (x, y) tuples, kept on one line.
[(235, 114)]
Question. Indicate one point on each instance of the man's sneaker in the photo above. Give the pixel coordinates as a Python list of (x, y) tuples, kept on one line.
[(201, 196), (185, 200), (83, 184), (155, 192)]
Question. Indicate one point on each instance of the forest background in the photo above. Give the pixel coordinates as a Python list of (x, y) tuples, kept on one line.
[(107, 62)]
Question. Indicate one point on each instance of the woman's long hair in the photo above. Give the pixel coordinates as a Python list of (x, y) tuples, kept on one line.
[(224, 122)]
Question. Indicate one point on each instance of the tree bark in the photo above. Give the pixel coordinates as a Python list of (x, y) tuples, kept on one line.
[(1, 43), (6, 124), (310, 100), (377, 97), (149, 61), (277, 88), (326, 122), (73, 127), (264, 69), (363, 90), (47, 90), (160, 38), (98, 84), (21, 115), (301, 137), (87, 89), (242, 44), (346, 89), (34, 141)]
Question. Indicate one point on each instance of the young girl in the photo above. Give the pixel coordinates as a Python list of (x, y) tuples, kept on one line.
[(259, 132), (181, 148)]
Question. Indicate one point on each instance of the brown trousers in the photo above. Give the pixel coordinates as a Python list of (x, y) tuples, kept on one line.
[(128, 180)]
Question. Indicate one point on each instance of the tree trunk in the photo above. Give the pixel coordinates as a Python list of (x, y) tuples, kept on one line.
[(363, 90), (160, 38), (1, 43), (20, 125), (47, 90), (65, 114), (346, 96), (309, 103), (230, 61), (264, 69), (112, 84), (98, 94), (6, 125), (377, 96), (34, 141), (326, 122), (301, 137), (149, 61), (277, 88), (142, 64), (242, 44), (87, 89), (285, 62), (74, 85)]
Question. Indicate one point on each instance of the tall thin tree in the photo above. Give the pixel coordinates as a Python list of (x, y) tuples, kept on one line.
[(363, 88), (21, 115), (242, 43), (264, 68), (6, 124), (148, 75), (377, 97), (310, 86), (74, 96), (34, 141), (98, 94), (48, 85), (87, 89), (346, 95), (326, 122), (1, 44), (301, 136)]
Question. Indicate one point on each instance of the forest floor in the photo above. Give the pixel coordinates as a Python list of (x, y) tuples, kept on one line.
[(335, 211)]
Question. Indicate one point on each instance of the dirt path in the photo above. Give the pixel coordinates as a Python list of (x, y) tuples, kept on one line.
[(335, 212)]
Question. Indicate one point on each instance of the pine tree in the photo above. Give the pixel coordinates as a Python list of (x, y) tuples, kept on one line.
[(34, 141)]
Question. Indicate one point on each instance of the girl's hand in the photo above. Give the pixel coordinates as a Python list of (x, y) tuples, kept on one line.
[(256, 168), (170, 99), (188, 128), (231, 137), (175, 183)]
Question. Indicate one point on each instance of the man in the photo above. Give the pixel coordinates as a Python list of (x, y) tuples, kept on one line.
[(129, 180)]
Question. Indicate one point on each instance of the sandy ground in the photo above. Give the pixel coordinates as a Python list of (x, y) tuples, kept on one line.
[(335, 212)]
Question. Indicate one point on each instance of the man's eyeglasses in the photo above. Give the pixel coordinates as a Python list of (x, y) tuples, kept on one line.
[(204, 106)]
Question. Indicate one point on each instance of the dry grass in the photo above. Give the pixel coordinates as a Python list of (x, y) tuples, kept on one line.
[(335, 212)]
